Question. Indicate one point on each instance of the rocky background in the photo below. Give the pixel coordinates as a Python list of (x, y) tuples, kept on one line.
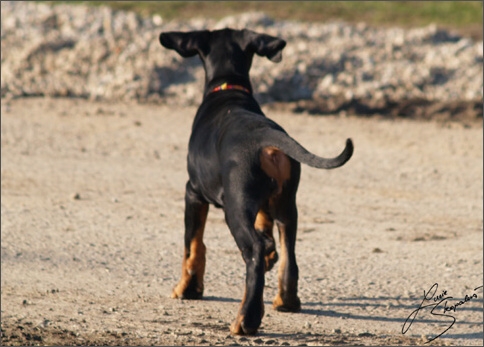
[(102, 54)]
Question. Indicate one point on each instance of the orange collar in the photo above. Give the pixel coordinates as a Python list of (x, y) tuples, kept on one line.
[(226, 86)]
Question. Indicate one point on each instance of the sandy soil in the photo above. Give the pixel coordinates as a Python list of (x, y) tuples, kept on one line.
[(92, 229)]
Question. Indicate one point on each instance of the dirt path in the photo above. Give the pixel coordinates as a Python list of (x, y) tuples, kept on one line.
[(92, 228)]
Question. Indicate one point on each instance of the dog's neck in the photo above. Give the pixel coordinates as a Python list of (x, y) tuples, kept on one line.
[(228, 84)]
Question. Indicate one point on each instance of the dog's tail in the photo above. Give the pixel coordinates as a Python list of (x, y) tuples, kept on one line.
[(279, 139)]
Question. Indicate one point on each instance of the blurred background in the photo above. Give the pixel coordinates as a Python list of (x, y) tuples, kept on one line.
[(396, 59), (464, 16)]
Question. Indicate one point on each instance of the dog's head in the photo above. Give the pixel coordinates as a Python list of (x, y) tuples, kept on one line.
[(225, 53)]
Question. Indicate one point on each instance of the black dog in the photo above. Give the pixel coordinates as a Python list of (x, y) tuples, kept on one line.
[(242, 161)]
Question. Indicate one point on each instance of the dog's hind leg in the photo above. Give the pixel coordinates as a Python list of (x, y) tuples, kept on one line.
[(264, 224), (240, 214), (193, 266), (286, 299)]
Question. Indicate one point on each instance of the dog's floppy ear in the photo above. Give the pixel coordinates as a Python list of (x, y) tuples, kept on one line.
[(186, 44), (265, 45)]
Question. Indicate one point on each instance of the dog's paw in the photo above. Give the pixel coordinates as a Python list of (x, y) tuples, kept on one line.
[(187, 294), (238, 327), (190, 290), (271, 255), (270, 260), (288, 304)]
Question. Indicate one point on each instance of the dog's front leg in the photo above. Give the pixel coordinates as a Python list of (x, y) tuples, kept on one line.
[(193, 267)]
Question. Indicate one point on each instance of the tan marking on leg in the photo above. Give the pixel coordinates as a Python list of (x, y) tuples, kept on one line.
[(193, 261), (278, 302), (264, 223), (276, 165), (284, 301), (236, 326)]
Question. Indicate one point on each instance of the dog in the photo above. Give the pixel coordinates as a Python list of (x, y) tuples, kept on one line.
[(243, 162)]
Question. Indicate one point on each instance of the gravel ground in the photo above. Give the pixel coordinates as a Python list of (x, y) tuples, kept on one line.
[(92, 231), (94, 129)]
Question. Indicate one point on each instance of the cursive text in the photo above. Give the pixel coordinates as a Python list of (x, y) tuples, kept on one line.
[(434, 301)]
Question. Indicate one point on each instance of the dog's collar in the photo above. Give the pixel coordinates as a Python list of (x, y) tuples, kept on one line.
[(226, 86)]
